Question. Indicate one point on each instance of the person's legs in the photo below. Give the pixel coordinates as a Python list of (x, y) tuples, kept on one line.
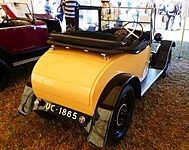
[(180, 21), (167, 23), (172, 19), (61, 16), (70, 22)]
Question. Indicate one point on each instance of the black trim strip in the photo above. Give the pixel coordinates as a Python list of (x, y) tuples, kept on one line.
[(29, 54)]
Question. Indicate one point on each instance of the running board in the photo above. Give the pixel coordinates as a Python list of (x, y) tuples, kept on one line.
[(152, 76), (26, 61)]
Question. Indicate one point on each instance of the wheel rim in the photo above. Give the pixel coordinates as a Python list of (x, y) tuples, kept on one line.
[(123, 116)]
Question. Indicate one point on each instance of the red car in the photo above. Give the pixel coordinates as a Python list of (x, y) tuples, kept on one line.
[(22, 39)]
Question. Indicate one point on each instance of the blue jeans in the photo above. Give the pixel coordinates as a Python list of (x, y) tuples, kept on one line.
[(170, 21)]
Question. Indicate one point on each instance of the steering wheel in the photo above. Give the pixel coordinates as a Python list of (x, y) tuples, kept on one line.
[(126, 35), (131, 31)]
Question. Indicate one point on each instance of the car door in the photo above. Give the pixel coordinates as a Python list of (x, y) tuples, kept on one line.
[(18, 39)]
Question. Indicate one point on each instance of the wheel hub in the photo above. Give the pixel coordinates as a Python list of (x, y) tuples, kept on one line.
[(121, 114)]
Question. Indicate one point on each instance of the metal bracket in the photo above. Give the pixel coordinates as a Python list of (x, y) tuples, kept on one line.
[(105, 57)]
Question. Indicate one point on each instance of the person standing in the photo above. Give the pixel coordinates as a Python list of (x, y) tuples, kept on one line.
[(151, 4), (106, 11), (135, 12), (60, 11), (47, 7), (171, 13), (179, 12), (69, 11)]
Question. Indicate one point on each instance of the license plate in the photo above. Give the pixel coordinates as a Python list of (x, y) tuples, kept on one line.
[(62, 111)]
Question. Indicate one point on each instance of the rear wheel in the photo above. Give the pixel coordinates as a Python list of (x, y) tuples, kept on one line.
[(122, 116), (4, 74)]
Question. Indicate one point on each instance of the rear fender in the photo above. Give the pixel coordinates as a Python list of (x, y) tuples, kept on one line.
[(161, 57), (98, 127), (113, 89)]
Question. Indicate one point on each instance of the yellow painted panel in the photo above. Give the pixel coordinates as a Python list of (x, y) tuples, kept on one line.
[(122, 63), (75, 79)]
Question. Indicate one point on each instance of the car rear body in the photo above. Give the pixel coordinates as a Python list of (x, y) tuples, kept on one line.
[(75, 79)]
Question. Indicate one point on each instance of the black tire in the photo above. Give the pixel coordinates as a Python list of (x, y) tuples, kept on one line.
[(4, 74), (122, 116), (45, 115), (166, 69)]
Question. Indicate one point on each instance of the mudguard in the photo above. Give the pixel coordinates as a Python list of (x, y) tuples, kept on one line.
[(107, 99), (27, 101), (98, 128), (161, 57)]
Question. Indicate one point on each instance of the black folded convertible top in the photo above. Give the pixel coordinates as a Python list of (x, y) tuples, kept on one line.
[(95, 41)]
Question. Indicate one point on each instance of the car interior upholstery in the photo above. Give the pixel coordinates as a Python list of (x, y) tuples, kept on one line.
[(15, 22)]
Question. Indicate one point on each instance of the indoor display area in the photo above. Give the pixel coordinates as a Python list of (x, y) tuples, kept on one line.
[(94, 74)]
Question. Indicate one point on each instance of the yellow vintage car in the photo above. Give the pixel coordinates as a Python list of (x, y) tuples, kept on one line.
[(94, 73)]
